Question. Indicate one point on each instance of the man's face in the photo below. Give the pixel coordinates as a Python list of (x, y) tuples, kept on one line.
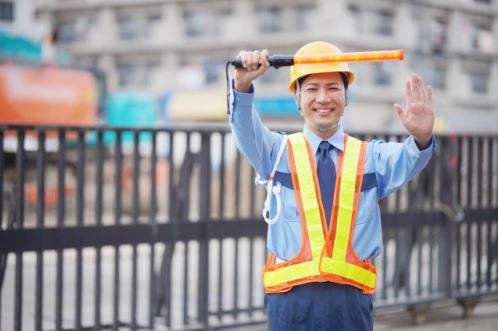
[(323, 100)]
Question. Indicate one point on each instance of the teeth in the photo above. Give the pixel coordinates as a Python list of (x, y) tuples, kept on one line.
[(323, 111)]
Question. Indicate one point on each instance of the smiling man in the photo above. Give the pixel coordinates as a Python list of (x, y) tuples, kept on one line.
[(324, 186)]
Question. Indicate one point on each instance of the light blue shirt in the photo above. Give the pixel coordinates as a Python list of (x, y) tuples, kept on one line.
[(388, 166)]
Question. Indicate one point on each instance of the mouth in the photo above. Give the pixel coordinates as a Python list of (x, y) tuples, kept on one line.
[(324, 111)]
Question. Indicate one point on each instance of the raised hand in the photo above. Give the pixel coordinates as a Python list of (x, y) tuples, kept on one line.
[(417, 115), (254, 64)]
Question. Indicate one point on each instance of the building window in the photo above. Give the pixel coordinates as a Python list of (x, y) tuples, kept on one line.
[(382, 74), (354, 12), (432, 33), (66, 32), (382, 22), (212, 70), (74, 28), (6, 11), (302, 14), (137, 73), (480, 35), (197, 23), (131, 27), (269, 19), (432, 68), (479, 82), (485, 2)]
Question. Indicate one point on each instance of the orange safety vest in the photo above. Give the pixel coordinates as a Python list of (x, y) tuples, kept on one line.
[(325, 254)]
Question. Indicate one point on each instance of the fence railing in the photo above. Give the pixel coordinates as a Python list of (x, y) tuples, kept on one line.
[(140, 228)]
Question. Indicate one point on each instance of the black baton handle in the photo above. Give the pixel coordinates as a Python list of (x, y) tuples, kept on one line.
[(276, 61)]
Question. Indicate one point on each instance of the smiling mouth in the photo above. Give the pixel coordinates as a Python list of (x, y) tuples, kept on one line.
[(323, 110)]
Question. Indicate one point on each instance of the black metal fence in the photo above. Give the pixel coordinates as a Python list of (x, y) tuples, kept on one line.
[(106, 228)]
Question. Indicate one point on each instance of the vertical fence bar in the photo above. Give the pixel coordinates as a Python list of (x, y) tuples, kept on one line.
[(135, 213), (155, 230), (480, 168), (19, 224), (184, 218), (99, 205), (118, 159), (251, 276), (489, 204), (220, 279), (2, 170), (235, 279), (221, 207), (171, 194), (186, 320), (495, 198), (204, 214), (459, 199), (3, 257), (40, 223), (80, 195), (61, 203), (470, 190)]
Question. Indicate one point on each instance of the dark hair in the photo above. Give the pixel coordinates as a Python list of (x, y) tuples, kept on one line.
[(344, 77)]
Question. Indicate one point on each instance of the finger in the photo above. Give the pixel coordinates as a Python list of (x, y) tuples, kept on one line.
[(408, 91), (418, 89), (243, 59), (264, 58), (429, 96), (399, 110), (255, 59)]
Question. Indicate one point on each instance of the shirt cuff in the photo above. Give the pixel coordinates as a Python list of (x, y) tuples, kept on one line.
[(414, 150), (240, 100), (430, 147)]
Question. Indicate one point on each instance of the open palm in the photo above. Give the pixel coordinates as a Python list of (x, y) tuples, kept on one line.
[(417, 116)]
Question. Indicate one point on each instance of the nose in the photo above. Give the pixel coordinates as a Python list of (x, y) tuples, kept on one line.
[(322, 96)]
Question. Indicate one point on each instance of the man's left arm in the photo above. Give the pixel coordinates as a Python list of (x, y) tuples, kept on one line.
[(395, 163)]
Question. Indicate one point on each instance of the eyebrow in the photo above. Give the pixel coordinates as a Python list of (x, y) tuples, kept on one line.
[(328, 84)]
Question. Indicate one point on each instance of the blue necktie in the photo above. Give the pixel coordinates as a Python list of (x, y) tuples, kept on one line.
[(326, 176)]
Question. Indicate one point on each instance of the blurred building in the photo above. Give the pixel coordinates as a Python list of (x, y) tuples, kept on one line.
[(172, 45), (18, 17)]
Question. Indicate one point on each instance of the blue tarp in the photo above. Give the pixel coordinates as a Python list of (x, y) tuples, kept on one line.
[(276, 106)]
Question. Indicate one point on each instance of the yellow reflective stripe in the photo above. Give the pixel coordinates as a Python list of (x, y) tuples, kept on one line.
[(349, 271), (312, 218), (289, 273), (346, 198), (308, 195)]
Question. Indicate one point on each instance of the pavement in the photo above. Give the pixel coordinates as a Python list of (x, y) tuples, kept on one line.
[(484, 318)]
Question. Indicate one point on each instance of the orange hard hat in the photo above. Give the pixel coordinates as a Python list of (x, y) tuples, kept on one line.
[(300, 70)]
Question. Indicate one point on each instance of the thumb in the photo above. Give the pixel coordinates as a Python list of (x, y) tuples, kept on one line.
[(398, 109)]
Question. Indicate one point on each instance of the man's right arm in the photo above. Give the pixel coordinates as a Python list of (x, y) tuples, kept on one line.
[(252, 138)]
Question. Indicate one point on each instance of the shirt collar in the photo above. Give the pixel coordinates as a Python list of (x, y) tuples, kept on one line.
[(336, 140)]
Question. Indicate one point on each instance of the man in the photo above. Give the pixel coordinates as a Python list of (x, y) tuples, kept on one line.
[(324, 218)]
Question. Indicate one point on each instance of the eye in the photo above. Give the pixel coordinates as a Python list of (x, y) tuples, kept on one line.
[(310, 89)]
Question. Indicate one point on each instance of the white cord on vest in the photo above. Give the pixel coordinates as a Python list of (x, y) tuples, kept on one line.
[(273, 189)]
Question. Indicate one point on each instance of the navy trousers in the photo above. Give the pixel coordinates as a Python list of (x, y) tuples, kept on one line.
[(320, 306)]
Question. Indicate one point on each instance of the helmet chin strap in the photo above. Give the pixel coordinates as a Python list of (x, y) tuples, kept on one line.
[(297, 98)]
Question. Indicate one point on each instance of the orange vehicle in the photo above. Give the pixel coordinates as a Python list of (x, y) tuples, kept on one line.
[(47, 95)]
